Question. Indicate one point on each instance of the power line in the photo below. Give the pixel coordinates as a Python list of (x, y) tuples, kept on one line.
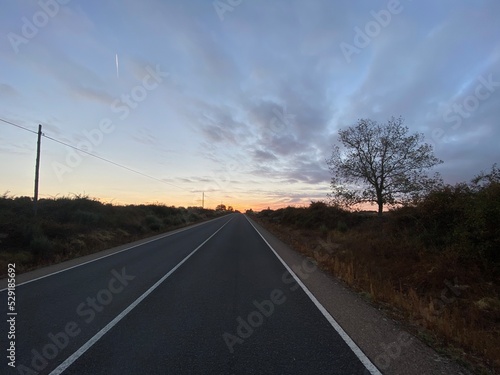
[(18, 126), (93, 155), (101, 158), (111, 162)]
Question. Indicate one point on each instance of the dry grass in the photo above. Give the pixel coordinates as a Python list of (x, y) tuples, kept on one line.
[(449, 303)]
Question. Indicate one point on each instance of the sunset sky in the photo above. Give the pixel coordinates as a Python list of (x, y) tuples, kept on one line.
[(240, 99)]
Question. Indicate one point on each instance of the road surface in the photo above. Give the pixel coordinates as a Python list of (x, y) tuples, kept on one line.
[(211, 299)]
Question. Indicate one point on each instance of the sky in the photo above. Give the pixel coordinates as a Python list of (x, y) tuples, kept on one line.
[(239, 99)]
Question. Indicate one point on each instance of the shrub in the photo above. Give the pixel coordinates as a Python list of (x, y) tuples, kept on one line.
[(193, 218), (86, 218), (41, 247), (174, 220), (153, 222), (323, 229), (342, 226)]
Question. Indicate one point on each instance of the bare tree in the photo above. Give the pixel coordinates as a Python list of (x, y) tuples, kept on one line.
[(380, 164)]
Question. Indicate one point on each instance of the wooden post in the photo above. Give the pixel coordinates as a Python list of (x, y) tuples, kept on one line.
[(37, 168)]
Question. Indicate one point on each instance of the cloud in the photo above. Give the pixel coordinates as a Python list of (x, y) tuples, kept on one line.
[(263, 156), (145, 137), (7, 91), (8, 147), (265, 90), (92, 94)]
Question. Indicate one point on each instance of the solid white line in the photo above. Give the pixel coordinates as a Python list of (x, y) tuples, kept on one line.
[(356, 350), (118, 252), (69, 361)]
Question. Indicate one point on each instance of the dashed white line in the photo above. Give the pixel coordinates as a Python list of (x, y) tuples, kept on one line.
[(115, 253), (71, 359)]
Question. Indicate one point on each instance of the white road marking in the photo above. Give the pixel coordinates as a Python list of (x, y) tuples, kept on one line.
[(71, 359), (118, 252), (356, 350)]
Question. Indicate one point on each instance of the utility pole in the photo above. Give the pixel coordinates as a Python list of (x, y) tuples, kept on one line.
[(203, 200), (37, 168)]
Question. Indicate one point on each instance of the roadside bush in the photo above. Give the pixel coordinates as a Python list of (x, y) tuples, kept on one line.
[(86, 218), (174, 220), (153, 222), (41, 247), (481, 227), (66, 227), (342, 226), (462, 217), (193, 217), (318, 215)]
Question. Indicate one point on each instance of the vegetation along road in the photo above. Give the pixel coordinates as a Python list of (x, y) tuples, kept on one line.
[(212, 298)]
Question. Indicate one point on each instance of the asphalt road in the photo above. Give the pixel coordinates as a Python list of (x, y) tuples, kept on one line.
[(212, 299)]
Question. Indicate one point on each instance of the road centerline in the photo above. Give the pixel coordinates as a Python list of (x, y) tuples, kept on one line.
[(71, 359), (146, 241)]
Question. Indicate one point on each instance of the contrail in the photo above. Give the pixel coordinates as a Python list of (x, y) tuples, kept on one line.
[(117, 67)]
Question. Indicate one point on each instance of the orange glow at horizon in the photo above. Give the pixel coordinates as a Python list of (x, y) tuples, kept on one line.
[(239, 204)]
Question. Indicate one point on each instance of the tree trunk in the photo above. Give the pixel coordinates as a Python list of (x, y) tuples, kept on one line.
[(380, 200), (380, 208)]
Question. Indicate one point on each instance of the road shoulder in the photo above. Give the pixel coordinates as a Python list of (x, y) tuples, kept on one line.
[(384, 341)]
